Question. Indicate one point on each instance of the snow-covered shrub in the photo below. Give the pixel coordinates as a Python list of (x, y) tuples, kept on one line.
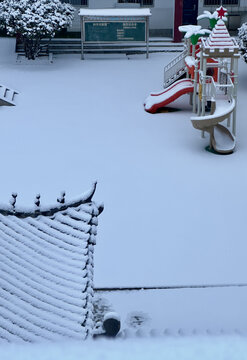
[(33, 20), (101, 306), (242, 34), (137, 319)]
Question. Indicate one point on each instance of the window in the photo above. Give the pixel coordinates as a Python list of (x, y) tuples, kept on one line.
[(230, 2), (77, 2), (141, 2), (219, 2)]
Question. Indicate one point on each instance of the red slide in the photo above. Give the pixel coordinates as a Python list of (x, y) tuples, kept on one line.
[(156, 101)]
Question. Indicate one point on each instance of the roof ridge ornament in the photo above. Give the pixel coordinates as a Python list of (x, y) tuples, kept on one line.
[(61, 199), (47, 210), (37, 200), (221, 12), (12, 201)]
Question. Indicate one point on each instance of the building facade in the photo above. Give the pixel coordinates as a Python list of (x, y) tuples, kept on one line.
[(237, 10), (161, 22), (164, 15)]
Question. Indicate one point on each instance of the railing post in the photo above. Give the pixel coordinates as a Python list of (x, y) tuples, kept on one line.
[(229, 121), (174, 66), (204, 86), (82, 38), (195, 86), (234, 115), (147, 37)]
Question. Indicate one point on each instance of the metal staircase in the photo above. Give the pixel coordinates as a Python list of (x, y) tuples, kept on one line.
[(7, 96), (175, 69)]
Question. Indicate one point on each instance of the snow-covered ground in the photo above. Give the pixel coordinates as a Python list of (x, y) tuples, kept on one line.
[(175, 215), (175, 312), (203, 348)]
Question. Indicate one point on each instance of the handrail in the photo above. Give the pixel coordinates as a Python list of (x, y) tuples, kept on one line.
[(176, 60), (212, 86), (175, 68)]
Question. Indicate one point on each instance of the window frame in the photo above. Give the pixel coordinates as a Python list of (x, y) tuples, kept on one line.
[(141, 2), (71, 2), (219, 2)]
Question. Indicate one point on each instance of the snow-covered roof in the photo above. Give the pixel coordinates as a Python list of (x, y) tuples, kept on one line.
[(115, 12), (46, 270), (190, 61), (189, 29), (220, 41)]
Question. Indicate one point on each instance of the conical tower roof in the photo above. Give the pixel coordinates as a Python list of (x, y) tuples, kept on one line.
[(220, 37), (220, 43)]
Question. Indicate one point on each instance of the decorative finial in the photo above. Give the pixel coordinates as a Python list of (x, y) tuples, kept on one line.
[(221, 12), (61, 199), (37, 200), (13, 200)]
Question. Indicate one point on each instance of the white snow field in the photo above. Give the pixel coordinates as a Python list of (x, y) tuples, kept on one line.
[(175, 215), (204, 348)]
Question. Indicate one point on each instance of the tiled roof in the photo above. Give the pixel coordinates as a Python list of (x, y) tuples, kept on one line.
[(46, 270)]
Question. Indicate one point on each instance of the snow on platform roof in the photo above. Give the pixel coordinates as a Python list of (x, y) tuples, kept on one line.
[(115, 12), (46, 272)]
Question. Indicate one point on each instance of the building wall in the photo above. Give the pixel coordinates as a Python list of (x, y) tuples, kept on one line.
[(236, 14), (161, 22), (162, 19), (76, 22), (100, 4)]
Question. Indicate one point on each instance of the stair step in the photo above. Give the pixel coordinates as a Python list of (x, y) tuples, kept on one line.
[(73, 46), (102, 51), (78, 47), (69, 46), (76, 40)]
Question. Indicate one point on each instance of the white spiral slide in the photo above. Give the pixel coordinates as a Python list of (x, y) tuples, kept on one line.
[(221, 139)]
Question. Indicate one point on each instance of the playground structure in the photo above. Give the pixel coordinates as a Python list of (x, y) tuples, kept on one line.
[(210, 64), (7, 96)]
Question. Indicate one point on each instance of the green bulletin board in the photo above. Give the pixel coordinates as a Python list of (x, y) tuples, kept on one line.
[(114, 31)]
